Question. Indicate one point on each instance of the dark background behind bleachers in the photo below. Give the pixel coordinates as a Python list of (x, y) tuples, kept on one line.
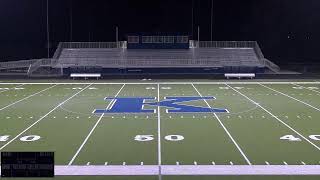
[(287, 30)]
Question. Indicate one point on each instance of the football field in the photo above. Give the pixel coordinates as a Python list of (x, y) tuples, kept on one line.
[(166, 130)]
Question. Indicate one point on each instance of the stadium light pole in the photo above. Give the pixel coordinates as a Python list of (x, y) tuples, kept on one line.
[(71, 21), (192, 11), (198, 36), (211, 32), (48, 31)]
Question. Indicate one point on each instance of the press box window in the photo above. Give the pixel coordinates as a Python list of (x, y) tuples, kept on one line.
[(133, 39), (182, 39), (146, 39), (168, 39)]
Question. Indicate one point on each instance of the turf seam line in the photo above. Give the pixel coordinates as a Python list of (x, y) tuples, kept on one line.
[(60, 104), (225, 129), (279, 120), (290, 97), (27, 97), (91, 131)]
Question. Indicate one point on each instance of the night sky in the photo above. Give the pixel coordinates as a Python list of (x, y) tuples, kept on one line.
[(287, 30)]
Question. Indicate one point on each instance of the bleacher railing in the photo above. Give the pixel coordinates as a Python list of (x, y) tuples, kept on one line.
[(78, 45), (226, 44), (17, 64)]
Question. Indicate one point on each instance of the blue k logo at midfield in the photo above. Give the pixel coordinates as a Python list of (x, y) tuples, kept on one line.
[(173, 105)]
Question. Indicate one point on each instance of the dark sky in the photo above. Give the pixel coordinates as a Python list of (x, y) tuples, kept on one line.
[(287, 30)]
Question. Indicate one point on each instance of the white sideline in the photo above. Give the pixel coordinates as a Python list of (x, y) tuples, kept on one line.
[(42, 118), (291, 97), (306, 88), (136, 83), (91, 131), (27, 97), (152, 170), (225, 129), (9, 88), (282, 122)]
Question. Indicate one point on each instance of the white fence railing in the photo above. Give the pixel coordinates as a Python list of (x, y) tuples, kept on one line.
[(17, 64), (42, 62), (78, 45)]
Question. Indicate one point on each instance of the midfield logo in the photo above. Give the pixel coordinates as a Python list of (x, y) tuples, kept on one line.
[(147, 105)]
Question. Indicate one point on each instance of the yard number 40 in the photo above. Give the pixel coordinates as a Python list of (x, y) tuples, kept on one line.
[(293, 138)]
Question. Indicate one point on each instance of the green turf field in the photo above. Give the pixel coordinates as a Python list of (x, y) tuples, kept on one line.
[(267, 124)]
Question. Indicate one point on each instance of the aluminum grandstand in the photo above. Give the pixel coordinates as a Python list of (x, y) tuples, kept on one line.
[(211, 57)]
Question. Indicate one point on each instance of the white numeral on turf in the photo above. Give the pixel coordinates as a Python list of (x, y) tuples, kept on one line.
[(315, 137), (174, 137), (30, 138), (290, 138), (144, 138), (4, 138)]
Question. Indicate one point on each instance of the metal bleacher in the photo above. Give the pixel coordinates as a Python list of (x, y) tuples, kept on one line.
[(228, 56), (204, 55)]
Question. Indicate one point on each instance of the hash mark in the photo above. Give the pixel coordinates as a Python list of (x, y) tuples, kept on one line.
[(303, 163)]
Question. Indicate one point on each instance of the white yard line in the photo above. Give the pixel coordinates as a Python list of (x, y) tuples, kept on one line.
[(159, 136), (10, 88), (27, 97), (225, 129), (282, 122), (291, 97), (42, 117), (306, 88), (172, 83), (92, 130)]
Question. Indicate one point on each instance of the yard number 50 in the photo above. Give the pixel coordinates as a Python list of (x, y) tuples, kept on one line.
[(144, 138)]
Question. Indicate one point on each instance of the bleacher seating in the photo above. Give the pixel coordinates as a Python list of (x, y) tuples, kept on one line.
[(124, 58)]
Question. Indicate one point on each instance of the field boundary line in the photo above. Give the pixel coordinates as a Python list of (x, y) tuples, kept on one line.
[(10, 89), (91, 131), (306, 88), (290, 97), (60, 104), (279, 120), (151, 170), (27, 97), (225, 129), (171, 83)]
